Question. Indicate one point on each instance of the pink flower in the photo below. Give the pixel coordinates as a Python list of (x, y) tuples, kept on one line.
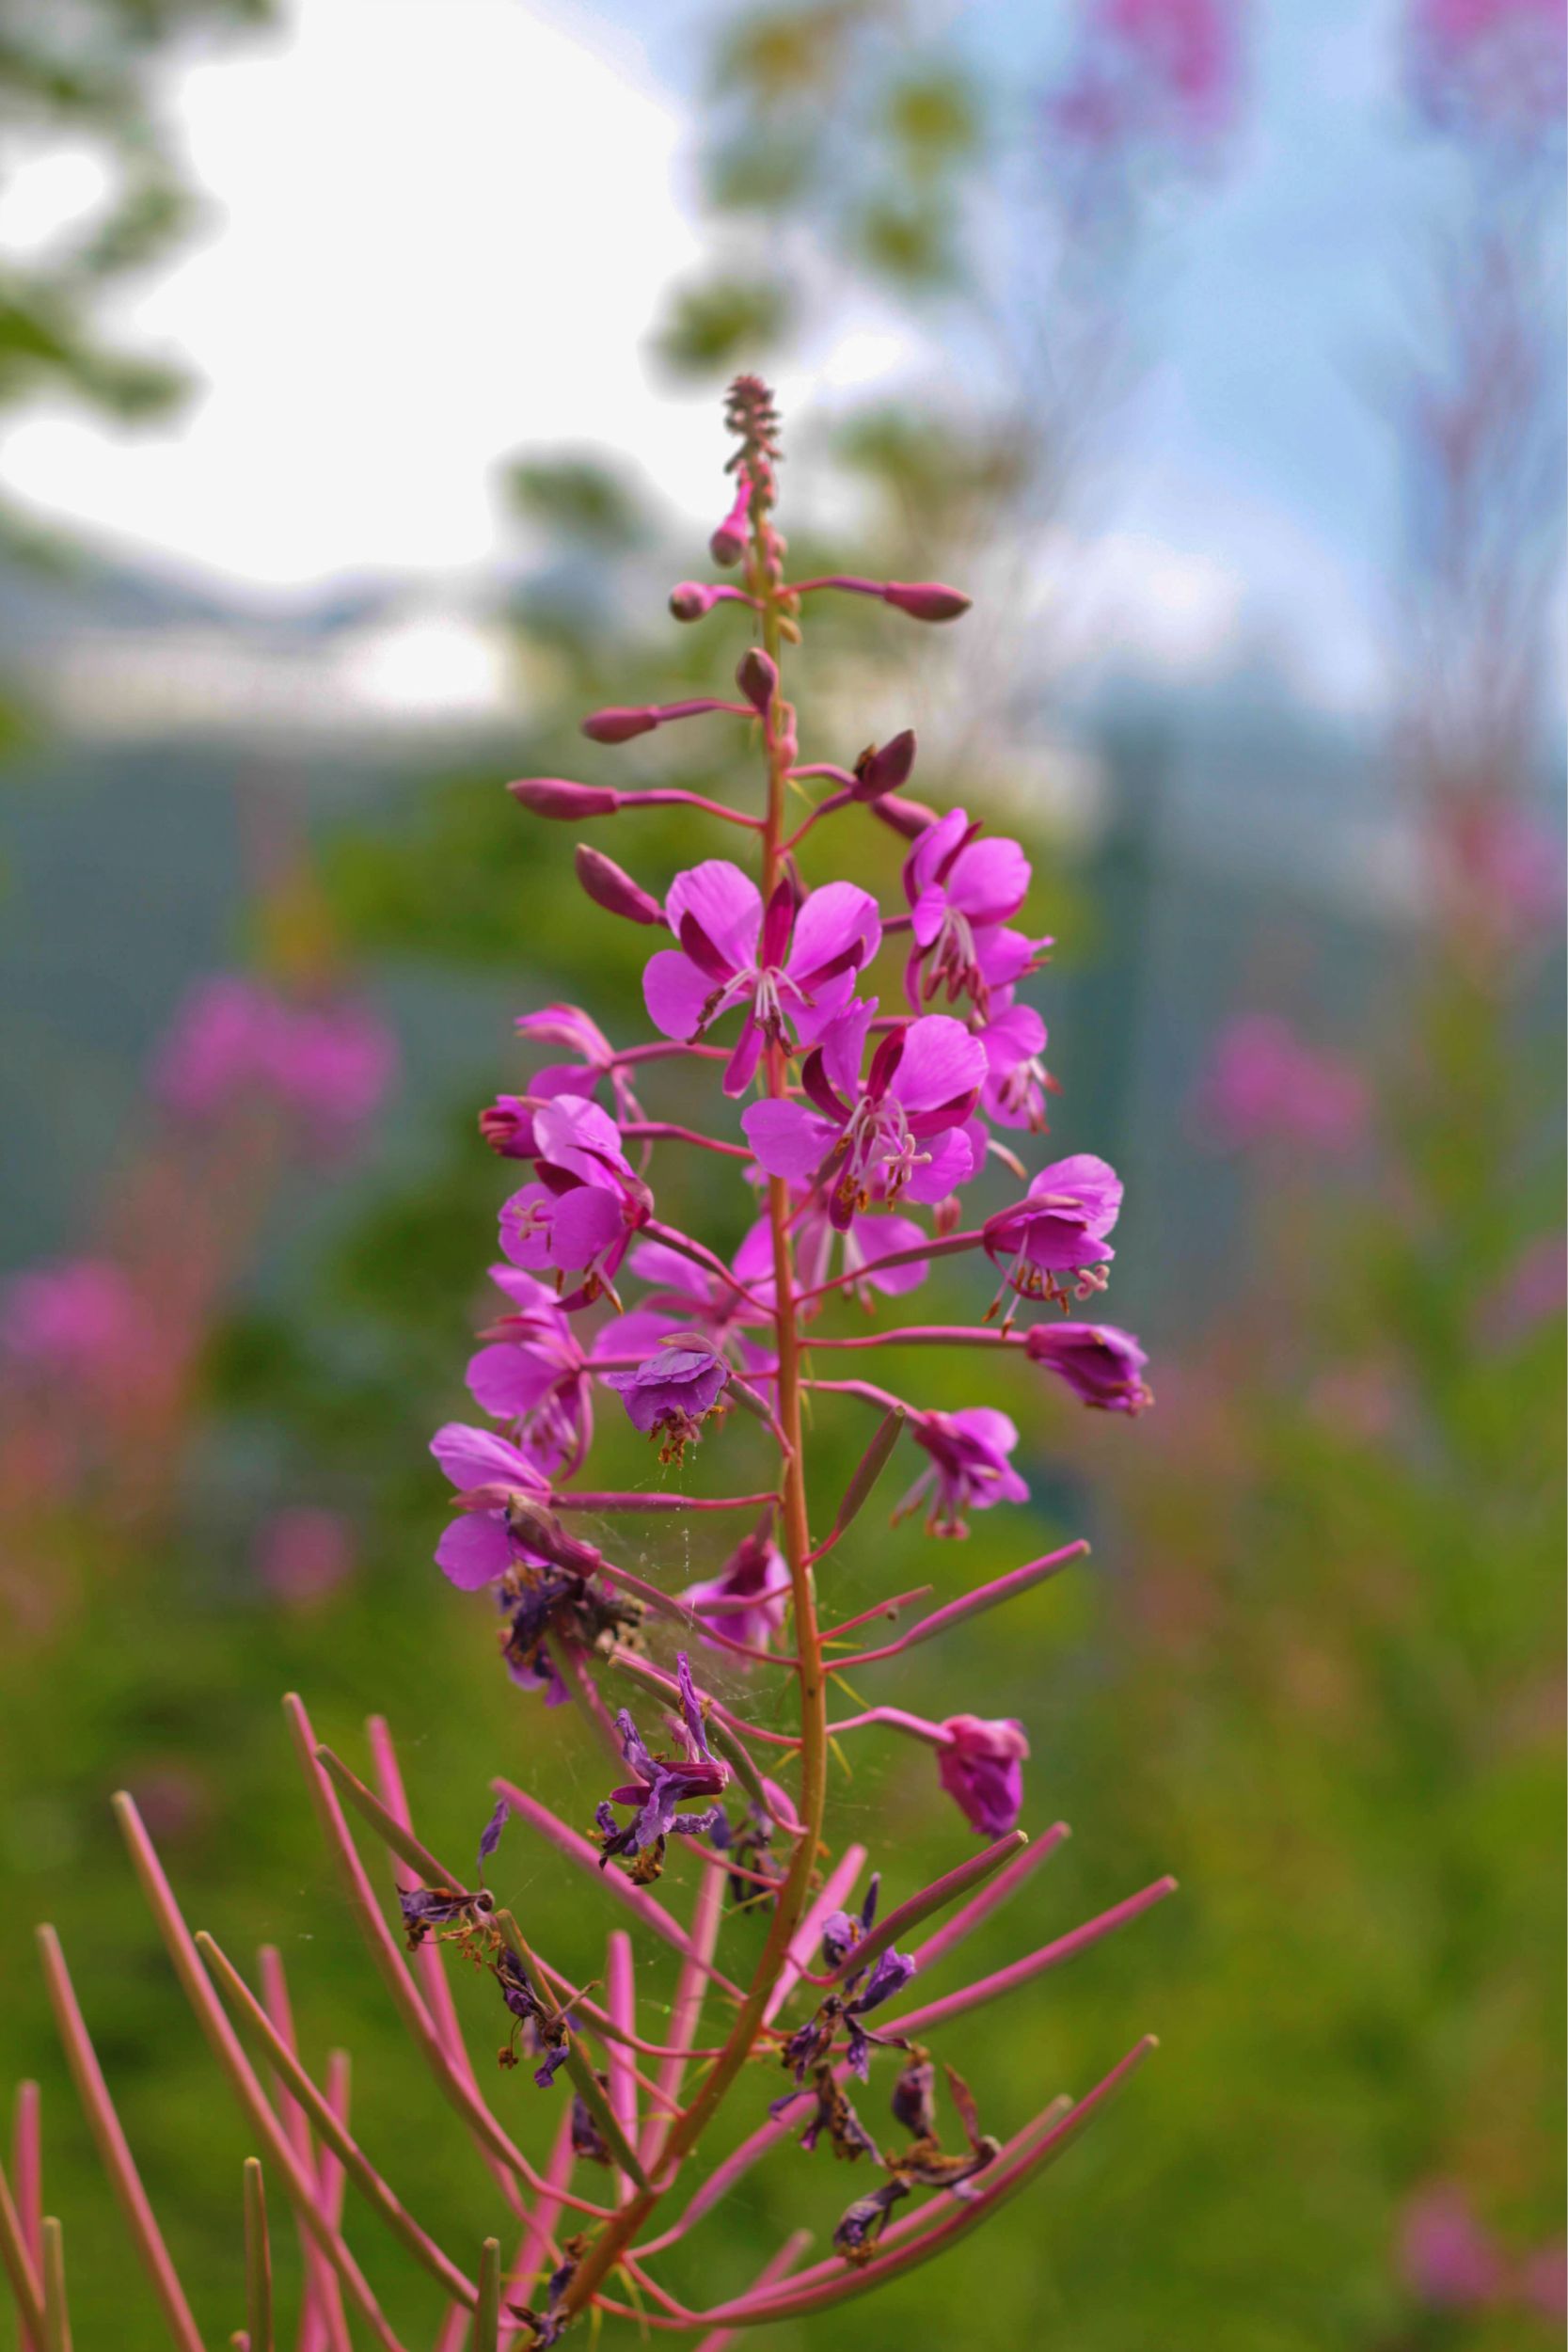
[(570, 1027), (304, 1553), (960, 892), (80, 1318), (1060, 1226), (1446, 2258), (790, 969), (328, 1064), (1017, 1081), (478, 1547), (981, 1767), (970, 1469), (865, 1239), (535, 1374), (586, 1203), (864, 1139), (749, 1597), (1102, 1365), (1263, 1085)]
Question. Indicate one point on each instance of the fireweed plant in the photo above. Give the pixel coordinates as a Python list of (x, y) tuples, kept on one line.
[(852, 1115)]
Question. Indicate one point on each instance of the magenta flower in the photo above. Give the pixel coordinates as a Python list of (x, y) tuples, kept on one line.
[(969, 1469), (1100, 1364), (587, 1203), (536, 1376), (981, 1767), (748, 1598), (1017, 1081), (570, 1027), (1060, 1227), (693, 1296), (1447, 2257), (327, 1064), (900, 1129), (80, 1317), (864, 1239), (479, 1548), (961, 890), (673, 1393), (791, 969), (1264, 1085)]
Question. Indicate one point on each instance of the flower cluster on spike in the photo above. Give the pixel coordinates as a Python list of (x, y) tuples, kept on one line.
[(874, 1051), (868, 1062)]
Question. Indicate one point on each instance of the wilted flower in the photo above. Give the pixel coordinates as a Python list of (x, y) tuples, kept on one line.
[(981, 1767), (673, 1393), (664, 1786), (856, 2235), (1100, 1364)]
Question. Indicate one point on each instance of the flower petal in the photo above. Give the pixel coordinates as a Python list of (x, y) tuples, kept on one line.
[(726, 902), (942, 1063), (474, 1550), (788, 1139)]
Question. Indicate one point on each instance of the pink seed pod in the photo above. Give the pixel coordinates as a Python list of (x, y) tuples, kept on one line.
[(611, 888), (552, 796), (926, 599), (909, 818), (884, 769), (619, 725), (757, 677)]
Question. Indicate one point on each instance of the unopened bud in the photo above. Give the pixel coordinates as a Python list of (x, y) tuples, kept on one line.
[(613, 889), (883, 770), (728, 543), (947, 1216), (552, 796), (926, 599), (690, 599), (758, 680), (618, 725), (909, 818)]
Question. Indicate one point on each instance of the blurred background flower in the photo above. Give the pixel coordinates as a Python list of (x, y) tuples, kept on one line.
[(1217, 348)]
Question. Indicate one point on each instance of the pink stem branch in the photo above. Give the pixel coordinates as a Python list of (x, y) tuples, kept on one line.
[(989, 1899), (972, 1604), (1023, 1971)]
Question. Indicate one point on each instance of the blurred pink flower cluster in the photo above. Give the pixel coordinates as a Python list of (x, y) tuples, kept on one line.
[(1168, 71), (1449, 2259), (327, 1064), (1263, 1085), (1492, 70)]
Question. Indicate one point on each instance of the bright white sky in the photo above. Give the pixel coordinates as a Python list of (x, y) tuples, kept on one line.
[(440, 230)]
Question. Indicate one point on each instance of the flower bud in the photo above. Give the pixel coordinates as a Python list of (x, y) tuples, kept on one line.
[(926, 599), (883, 770), (618, 724), (909, 818), (611, 888), (728, 543), (552, 796), (690, 599), (758, 680)]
